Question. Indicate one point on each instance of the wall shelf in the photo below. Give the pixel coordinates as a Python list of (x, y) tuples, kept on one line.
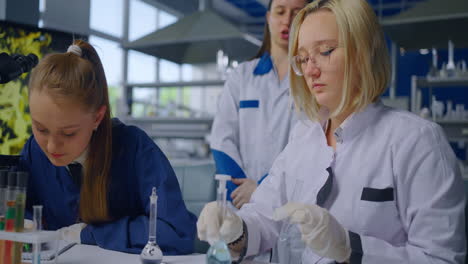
[(172, 127), (456, 130), (203, 83), (418, 82)]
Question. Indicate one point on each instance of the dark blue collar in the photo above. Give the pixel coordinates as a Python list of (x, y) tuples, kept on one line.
[(264, 65)]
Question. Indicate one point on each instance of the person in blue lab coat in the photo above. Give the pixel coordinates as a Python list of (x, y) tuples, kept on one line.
[(253, 122), (94, 174)]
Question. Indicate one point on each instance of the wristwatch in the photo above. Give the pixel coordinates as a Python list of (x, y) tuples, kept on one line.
[(245, 234)]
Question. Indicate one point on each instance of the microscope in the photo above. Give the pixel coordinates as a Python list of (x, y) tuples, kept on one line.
[(12, 66)]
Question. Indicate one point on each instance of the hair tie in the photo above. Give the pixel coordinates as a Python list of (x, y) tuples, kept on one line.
[(75, 49)]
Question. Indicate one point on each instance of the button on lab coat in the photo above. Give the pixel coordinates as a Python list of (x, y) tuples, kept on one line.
[(397, 188), (253, 121)]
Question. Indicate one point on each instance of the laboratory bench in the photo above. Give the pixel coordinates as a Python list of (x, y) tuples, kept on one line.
[(96, 255), (87, 254)]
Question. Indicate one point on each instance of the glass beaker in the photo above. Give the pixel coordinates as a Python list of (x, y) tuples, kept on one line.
[(218, 253), (290, 246), (459, 111)]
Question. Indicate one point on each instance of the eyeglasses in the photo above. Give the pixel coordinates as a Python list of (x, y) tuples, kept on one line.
[(320, 56)]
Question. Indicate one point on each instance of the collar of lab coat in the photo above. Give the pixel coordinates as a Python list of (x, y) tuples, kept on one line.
[(354, 124), (264, 65)]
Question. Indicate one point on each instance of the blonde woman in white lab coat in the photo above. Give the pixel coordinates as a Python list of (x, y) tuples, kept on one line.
[(364, 183)]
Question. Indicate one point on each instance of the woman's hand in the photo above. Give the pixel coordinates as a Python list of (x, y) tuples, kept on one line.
[(72, 233), (320, 230), (241, 195), (211, 226)]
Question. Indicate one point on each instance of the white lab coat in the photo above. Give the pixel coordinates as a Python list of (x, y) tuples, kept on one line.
[(253, 122), (421, 220)]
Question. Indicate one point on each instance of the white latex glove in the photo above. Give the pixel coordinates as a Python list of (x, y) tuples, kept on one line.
[(243, 192), (320, 230), (211, 227), (72, 233)]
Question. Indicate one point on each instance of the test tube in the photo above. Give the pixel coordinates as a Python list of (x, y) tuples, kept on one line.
[(153, 213), (221, 193), (37, 218), (3, 190), (10, 216), (21, 183)]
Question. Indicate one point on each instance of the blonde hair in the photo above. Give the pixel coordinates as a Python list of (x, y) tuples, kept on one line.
[(363, 42), (80, 77)]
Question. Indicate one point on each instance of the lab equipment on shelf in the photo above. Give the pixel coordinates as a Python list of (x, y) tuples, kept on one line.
[(454, 120), (449, 69)]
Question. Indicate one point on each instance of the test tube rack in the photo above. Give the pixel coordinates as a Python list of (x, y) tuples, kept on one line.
[(33, 237)]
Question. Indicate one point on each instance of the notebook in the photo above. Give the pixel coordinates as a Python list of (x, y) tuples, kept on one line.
[(47, 250)]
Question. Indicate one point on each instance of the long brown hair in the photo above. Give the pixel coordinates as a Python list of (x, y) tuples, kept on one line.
[(82, 79), (266, 43)]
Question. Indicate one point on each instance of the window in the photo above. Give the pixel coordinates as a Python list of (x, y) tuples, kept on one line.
[(170, 71), (107, 16), (166, 19), (111, 58), (141, 67), (143, 19), (144, 102), (187, 72)]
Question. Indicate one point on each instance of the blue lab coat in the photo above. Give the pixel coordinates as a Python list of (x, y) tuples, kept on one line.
[(137, 165)]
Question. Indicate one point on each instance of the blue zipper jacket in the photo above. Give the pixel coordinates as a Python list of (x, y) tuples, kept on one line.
[(137, 165)]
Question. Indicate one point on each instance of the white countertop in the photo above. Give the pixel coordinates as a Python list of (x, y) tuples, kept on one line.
[(96, 255), (85, 254)]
